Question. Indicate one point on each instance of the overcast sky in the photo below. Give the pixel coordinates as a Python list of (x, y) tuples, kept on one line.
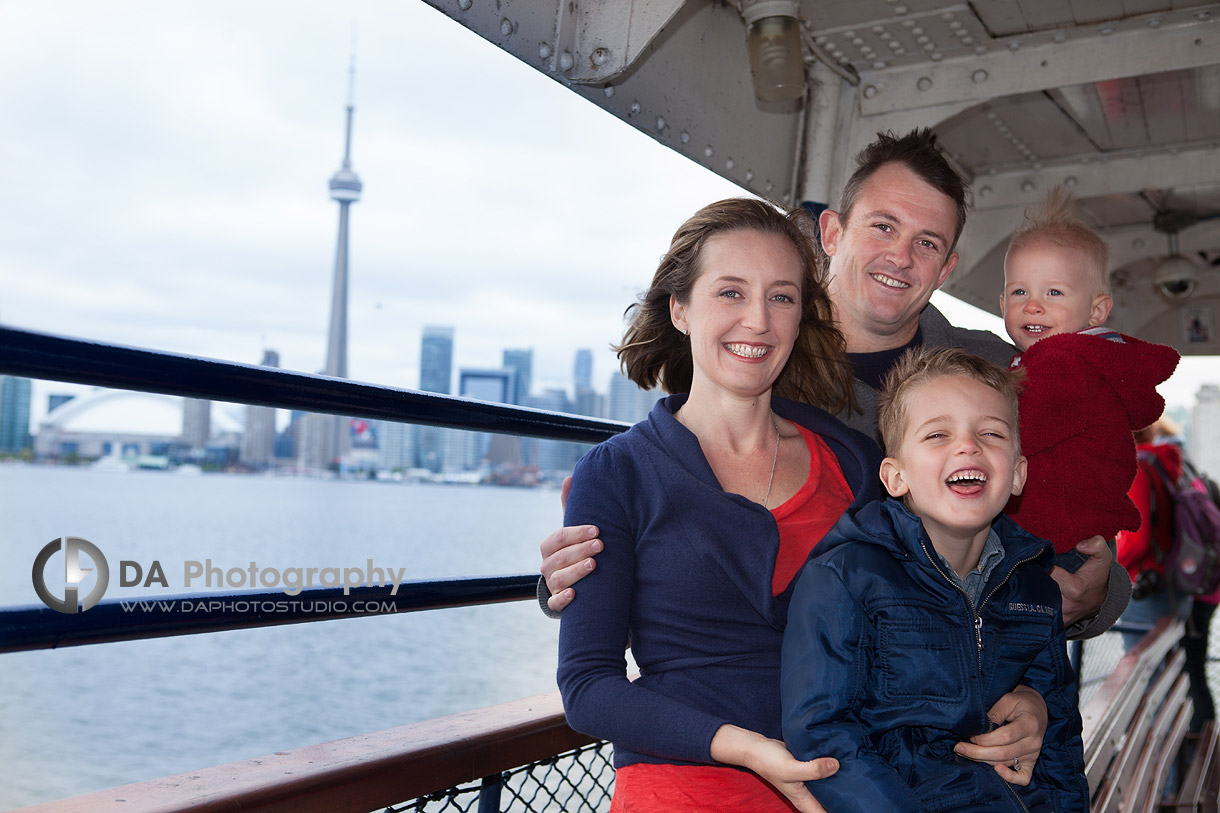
[(165, 187)]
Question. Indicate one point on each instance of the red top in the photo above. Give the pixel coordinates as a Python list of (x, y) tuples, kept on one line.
[(1082, 398), (803, 520), (661, 788)]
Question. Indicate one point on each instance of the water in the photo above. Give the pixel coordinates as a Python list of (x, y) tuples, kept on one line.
[(87, 718)]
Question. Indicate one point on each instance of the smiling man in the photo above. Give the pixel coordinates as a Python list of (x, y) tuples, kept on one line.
[(889, 247)]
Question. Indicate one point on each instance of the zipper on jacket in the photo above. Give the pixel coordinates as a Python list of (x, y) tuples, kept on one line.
[(978, 620), (1007, 576), (976, 612), (1014, 793), (978, 629)]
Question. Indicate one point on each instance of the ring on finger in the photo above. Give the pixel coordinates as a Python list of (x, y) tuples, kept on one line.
[(1016, 764)]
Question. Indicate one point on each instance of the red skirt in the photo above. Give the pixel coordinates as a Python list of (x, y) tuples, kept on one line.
[(647, 788)]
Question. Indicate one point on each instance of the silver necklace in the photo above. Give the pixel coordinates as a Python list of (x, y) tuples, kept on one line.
[(774, 461), (774, 455)]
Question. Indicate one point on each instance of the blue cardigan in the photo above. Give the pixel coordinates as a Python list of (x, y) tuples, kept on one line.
[(887, 664), (686, 574)]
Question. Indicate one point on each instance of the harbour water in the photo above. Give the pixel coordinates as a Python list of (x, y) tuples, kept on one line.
[(86, 718)]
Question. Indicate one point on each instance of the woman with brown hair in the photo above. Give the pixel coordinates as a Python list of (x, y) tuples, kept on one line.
[(707, 511)]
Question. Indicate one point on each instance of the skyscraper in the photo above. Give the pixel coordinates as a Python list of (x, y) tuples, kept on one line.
[(582, 371), (14, 413), (328, 438), (436, 359), (554, 456), (258, 436), (468, 449), (196, 422), (522, 363), (584, 400), (435, 375), (627, 401)]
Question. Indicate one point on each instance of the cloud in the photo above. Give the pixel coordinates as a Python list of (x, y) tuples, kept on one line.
[(172, 187)]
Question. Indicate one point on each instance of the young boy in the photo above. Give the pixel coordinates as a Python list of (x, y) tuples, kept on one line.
[(1087, 388), (899, 642)]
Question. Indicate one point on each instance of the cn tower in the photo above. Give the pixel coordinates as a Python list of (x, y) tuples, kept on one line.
[(326, 437), (345, 189)]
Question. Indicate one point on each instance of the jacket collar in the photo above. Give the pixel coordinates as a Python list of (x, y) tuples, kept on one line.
[(888, 524)]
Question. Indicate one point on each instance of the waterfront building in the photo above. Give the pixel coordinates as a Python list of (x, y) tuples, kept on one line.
[(196, 422), (521, 362), (582, 371), (258, 435), (1204, 446), (130, 424), (468, 450), (436, 359), (587, 401), (14, 414), (495, 385), (627, 402), (286, 440), (555, 457), (590, 403), (395, 446), (329, 438), (435, 375)]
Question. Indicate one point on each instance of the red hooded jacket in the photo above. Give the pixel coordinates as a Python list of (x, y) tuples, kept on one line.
[(1135, 551), (1082, 398)]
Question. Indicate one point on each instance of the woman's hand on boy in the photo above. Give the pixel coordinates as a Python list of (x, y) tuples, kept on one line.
[(1021, 717), (1085, 590), (771, 760), (567, 556)]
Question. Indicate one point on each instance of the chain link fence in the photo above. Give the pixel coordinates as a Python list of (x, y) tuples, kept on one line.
[(580, 781)]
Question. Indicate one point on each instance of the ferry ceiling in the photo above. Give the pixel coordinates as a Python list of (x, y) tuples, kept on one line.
[(1119, 100)]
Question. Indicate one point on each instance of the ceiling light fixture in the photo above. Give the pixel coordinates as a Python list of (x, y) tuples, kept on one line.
[(774, 39)]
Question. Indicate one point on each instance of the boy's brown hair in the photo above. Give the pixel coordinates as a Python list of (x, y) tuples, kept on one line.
[(919, 365), (1057, 222)]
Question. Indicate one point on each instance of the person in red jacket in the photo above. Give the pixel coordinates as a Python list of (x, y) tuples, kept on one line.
[(1086, 389), (1141, 550)]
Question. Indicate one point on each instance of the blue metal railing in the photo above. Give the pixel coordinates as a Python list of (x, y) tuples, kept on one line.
[(129, 619), (44, 356), (59, 358)]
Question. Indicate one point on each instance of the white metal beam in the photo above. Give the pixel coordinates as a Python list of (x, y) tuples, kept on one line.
[(1139, 242), (1188, 38), (596, 40), (1095, 175), (702, 108)]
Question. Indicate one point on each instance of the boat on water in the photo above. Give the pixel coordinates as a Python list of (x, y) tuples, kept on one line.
[(1117, 101)]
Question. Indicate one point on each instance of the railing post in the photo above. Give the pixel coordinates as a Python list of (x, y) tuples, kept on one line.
[(1076, 657), (489, 793)]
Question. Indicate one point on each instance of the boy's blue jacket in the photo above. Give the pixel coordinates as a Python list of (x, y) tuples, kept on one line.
[(886, 665)]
